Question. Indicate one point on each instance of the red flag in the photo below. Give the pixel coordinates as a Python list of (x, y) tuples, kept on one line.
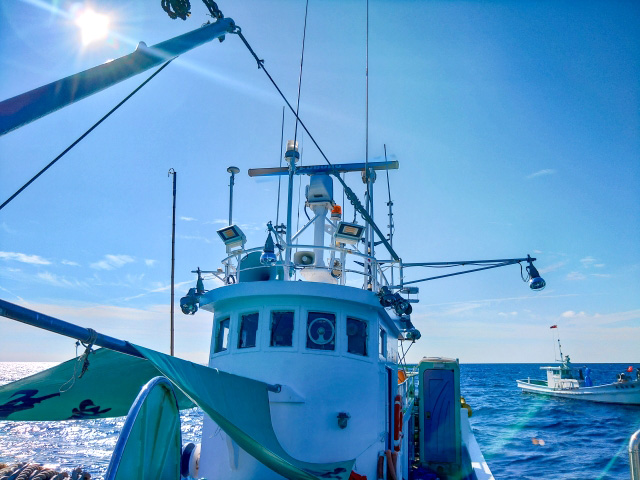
[(553, 326), (630, 369)]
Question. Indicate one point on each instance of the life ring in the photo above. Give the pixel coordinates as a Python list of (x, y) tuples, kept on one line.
[(397, 420)]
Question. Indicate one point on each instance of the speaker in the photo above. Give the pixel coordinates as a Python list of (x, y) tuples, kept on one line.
[(304, 258)]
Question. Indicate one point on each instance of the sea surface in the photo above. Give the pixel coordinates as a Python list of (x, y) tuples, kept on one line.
[(522, 436)]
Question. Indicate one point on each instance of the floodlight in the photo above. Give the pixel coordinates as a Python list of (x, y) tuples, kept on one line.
[(232, 236), (535, 280), (189, 303), (348, 233)]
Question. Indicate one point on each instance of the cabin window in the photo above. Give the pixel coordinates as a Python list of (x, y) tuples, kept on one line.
[(383, 343), (222, 336), (356, 336), (248, 330), (281, 329), (321, 331)]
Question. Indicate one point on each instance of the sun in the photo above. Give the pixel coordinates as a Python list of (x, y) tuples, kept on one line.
[(93, 26)]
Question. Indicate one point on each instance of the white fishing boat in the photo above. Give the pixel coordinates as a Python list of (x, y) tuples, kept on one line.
[(305, 378), (567, 381)]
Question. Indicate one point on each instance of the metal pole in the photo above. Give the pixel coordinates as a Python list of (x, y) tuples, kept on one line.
[(232, 171), (30, 317), (173, 253), (292, 166), (86, 335), (634, 456), (44, 100)]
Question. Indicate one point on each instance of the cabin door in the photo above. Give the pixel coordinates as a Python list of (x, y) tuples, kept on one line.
[(439, 408)]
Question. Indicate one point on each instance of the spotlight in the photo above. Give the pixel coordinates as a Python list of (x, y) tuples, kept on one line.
[(386, 297), (189, 303), (535, 280), (401, 305)]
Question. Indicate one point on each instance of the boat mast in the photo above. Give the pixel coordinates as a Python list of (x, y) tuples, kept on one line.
[(560, 349), (368, 175), (173, 253)]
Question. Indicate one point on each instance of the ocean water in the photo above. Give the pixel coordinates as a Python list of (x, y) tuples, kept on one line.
[(522, 436)]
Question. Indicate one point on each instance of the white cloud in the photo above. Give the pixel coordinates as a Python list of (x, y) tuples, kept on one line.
[(551, 268), (112, 261), (6, 228), (59, 281), (188, 219), (601, 275), (587, 261), (217, 221), (602, 319), (194, 237), (599, 265), (24, 258), (160, 289), (575, 276), (70, 263), (540, 173), (149, 263)]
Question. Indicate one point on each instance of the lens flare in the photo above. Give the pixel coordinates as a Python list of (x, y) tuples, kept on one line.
[(93, 26)]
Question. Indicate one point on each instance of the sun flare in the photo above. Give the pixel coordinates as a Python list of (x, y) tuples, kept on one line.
[(93, 26)]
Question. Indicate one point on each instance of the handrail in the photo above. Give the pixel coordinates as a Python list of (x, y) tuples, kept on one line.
[(634, 456), (377, 265)]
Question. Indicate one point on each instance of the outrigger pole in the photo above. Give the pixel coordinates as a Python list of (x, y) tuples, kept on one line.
[(86, 335), (27, 107)]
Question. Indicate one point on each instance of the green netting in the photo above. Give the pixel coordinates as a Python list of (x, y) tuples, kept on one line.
[(150, 444), (240, 407), (107, 389)]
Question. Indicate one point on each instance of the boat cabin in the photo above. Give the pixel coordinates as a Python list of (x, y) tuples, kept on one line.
[(564, 376)]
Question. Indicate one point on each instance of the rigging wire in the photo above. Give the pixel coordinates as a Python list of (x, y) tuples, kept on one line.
[(79, 139), (295, 131), (355, 201), (304, 37)]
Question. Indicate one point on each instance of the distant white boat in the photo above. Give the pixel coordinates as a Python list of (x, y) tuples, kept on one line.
[(566, 381)]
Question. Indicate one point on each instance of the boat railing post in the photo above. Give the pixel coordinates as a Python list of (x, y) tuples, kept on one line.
[(634, 456)]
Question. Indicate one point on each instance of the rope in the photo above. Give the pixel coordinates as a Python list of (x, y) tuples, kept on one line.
[(35, 471), (83, 135), (350, 195), (84, 359), (176, 8), (182, 8)]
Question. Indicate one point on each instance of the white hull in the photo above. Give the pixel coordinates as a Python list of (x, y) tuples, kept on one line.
[(627, 393)]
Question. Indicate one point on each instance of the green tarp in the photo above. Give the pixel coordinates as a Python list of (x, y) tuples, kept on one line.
[(149, 446), (239, 405), (107, 389)]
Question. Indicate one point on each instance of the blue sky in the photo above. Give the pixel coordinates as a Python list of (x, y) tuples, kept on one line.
[(516, 125)]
